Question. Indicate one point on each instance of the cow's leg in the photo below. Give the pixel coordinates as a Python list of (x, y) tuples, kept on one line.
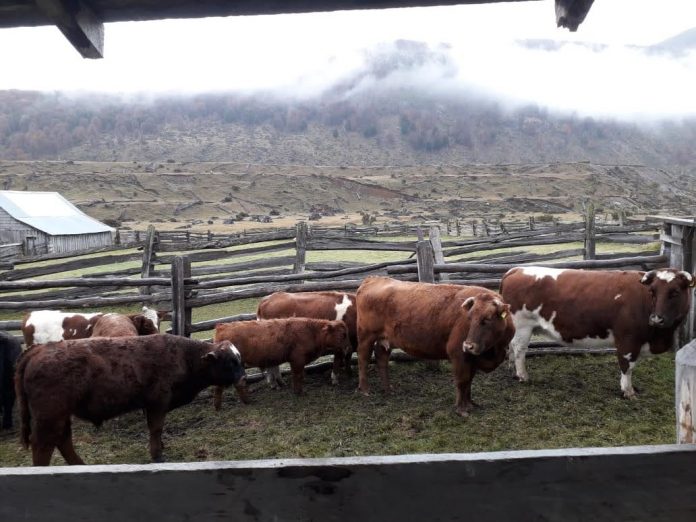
[(155, 423), (273, 377), (217, 397), (336, 368), (382, 353), (627, 361), (518, 354), (364, 350), (43, 440), (66, 448), (463, 371), (297, 377)]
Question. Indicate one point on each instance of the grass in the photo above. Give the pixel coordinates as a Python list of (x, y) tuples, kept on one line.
[(572, 401)]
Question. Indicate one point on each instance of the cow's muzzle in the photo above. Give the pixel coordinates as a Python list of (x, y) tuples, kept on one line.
[(472, 348), (657, 321)]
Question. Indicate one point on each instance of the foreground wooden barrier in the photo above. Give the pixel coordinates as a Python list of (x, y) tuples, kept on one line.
[(598, 484)]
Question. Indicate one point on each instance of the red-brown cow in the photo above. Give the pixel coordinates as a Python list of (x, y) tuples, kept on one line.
[(333, 306), (119, 325), (99, 378), (270, 342), (44, 326), (468, 325), (635, 311)]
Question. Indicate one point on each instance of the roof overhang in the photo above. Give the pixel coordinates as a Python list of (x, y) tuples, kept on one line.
[(82, 21)]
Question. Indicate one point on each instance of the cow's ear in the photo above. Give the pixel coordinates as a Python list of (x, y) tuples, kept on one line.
[(690, 280), (210, 356), (649, 277), (468, 303)]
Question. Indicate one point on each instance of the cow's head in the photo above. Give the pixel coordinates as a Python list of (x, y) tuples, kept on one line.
[(334, 336), (488, 322), (143, 324), (224, 366), (670, 290)]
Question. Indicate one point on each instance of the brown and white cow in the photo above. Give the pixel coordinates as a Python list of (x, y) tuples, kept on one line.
[(637, 312), (469, 325), (45, 326), (332, 306), (99, 378), (270, 342)]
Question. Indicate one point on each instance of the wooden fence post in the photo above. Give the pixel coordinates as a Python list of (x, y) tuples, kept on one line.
[(301, 237), (685, 393), (458, 226), (531, 223), (425, 258), (473, 227), (181, 314), (436, 243), (148, 254), (589, 232), (679, 243)]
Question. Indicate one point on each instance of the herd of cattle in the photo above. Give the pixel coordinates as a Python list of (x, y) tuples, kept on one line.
[(98, 366)]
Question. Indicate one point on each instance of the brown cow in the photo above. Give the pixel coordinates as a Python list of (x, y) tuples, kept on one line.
[(635, 311), (119, 325), (44, 326), (269, 342), (99, 378), (468, 325), (333, 306)]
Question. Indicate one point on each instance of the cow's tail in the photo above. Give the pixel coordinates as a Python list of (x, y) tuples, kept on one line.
[(24, 414)]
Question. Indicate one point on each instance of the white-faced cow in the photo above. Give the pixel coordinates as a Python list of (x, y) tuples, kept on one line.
[(332, 306), (469, 325), (44, 326), (637, 312)]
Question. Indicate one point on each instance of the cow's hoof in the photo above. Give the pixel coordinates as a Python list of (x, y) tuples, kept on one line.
[(462, 412), (158, 460), (363, 392), (522, 378)]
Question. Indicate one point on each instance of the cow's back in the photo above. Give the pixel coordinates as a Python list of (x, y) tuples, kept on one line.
[(327, 305), (99, 378)]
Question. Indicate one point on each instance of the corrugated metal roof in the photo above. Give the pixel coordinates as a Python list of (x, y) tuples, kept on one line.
[(49, 212)]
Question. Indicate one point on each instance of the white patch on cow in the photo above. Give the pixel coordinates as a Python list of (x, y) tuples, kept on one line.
[(151, 314), (617, 297), (540, 272), (342, 307), (334, 378), (626, 384), (687, 275), (48, 324), (665, 275), (528, 322), (628, 357), (235, 352)]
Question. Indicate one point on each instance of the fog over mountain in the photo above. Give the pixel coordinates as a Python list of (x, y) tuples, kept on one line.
[(398, 103)]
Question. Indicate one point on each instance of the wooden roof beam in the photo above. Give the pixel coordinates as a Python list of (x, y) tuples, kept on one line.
[(78, 23)]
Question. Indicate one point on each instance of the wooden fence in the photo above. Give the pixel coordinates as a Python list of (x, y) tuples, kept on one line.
[(186, 271)]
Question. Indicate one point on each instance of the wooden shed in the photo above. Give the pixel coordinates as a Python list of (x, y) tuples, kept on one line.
[(47, 223)]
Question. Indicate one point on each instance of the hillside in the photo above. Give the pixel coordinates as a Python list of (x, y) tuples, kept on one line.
[(176, 195)]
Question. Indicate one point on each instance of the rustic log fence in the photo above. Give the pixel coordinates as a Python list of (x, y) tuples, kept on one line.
[(169, 276)]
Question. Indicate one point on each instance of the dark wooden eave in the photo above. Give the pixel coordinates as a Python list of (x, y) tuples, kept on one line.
[(81, 21)]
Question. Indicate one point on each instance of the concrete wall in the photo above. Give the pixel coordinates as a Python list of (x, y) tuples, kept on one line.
[(613, 484)]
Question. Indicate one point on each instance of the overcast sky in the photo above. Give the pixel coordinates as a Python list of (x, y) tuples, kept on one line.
[(303, 54)]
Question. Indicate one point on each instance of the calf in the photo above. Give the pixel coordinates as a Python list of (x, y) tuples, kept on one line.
[(637, 312), (269, 342), (99, 378), (338, 306), (119, 325), (468, 325), (44, 326), (10, 348)]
